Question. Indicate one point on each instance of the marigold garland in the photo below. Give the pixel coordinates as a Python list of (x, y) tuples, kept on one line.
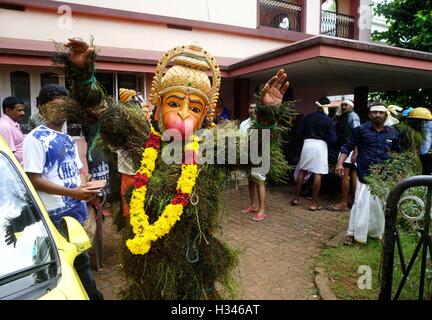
[(144, 232)]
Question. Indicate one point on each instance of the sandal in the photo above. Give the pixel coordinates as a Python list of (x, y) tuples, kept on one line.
[(349, 240), (259, 217), (334, 207), (249, 210), (311, 208), (294, 202)]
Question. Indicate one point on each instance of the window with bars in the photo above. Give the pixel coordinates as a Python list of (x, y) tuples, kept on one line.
[(280, 14)]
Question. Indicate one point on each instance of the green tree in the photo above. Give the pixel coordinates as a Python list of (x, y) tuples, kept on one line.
[(410, 27)]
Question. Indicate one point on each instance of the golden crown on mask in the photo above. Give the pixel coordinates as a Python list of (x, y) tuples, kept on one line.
[(189, 74)]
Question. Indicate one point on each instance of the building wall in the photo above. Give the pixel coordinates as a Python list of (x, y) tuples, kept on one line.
[(313, 17), (242, 13), (39, 25), (379, 24), (35, 81), (45, 26)]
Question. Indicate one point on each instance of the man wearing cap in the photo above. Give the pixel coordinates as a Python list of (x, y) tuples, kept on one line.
[(374, 142), (318, 130), (344, 128)]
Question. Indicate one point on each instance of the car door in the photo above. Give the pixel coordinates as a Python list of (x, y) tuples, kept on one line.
[(30, 264)]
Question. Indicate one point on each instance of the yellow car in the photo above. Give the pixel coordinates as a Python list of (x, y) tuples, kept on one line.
[(36, 260)]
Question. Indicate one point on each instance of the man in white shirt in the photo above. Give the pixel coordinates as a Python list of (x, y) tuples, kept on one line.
[(246, 124), (52, 163)]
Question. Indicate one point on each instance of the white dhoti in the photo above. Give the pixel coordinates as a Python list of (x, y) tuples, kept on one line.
[(367, 215), (314, 156)]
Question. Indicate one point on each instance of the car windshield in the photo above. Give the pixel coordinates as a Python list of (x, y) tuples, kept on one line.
[(26, 250)]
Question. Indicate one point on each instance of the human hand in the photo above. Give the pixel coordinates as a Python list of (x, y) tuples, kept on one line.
[(10, 236), (354, 156), (88, 177), (79, 52), (274, 89), (339, 170), (83, 192)]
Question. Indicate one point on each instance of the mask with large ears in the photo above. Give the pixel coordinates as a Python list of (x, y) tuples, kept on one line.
[(184, 95)]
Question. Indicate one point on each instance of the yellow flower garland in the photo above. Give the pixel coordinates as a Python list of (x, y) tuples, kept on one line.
[(144, 232)]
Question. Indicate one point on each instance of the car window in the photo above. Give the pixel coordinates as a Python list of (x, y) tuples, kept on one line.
[(27, 252)]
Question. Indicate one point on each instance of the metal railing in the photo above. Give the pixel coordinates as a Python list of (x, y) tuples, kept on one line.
[(390, 288), (280, 14), (337, 25)]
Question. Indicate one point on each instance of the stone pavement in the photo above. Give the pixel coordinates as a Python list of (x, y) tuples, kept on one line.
[(277, 255)]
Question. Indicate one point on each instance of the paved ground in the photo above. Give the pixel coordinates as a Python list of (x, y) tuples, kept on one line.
[(277, 254)]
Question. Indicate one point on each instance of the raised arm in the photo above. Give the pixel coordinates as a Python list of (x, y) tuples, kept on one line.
[(274, 114), (264, 149), (121, 126), (271, 110), (274, 90), (78, 60)]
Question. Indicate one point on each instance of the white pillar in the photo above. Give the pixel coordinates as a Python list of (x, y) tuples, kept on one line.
[(365, 20), (116, 88), (313, 17)]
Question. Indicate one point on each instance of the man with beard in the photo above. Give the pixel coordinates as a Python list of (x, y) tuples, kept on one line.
[(374, 142)]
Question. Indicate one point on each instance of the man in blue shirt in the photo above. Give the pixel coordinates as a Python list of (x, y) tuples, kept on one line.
[(374, 142)]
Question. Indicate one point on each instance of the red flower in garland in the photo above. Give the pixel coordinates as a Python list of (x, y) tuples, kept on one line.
[(141, 180), (153, 141), (181, 198)]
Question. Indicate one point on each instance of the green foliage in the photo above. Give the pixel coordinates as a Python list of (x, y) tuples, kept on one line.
[(410, 24), (279, 119), (124, 127), (191, 260), (412, 208), (384, 176), (342, 264), (410, 138), (410, 27), (405, 98), (188, 261), (85, 90)]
